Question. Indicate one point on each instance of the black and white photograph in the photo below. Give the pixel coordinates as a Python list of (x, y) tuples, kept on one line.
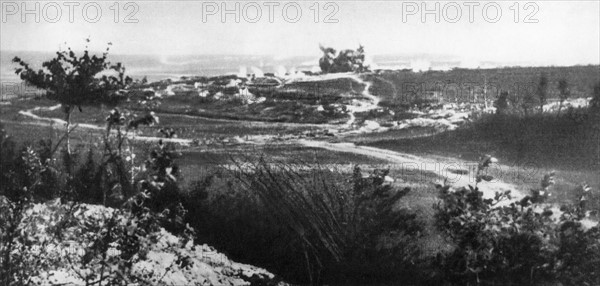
[(309, 142)]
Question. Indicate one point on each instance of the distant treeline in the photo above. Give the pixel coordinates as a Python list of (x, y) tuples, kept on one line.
[(469, 84)]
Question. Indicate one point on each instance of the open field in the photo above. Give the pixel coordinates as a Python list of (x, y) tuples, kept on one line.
[(198, 162), (217, 139), (521, 167)]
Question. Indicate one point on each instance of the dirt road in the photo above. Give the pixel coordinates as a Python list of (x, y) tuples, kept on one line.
[(51, 121), (456, 172)]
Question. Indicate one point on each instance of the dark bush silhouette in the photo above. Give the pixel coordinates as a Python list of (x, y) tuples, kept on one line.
[(542, 91)]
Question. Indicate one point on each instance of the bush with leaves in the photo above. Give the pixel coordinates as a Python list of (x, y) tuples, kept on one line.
[(492, 244), (577, 256), (34, 175), (79, 244), (112, 246), (516, 243), (543, 193)]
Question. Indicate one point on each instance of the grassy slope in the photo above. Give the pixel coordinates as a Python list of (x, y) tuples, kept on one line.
[(294, 102), (527, 148), (185, 126)]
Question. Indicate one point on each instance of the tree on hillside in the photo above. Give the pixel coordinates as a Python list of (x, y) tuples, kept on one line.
[(76, 81), (528, 102), (501, 103), (542, 91), (595, 102), (564, 92)]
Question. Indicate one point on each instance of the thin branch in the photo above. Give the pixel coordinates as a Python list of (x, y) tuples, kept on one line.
[(61, 139)]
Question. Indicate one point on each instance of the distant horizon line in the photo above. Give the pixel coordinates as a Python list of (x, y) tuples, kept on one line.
[(239, 54), (431, 57)]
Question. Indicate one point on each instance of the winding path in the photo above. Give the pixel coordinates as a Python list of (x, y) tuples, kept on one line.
[(458, 173), (50, 121)]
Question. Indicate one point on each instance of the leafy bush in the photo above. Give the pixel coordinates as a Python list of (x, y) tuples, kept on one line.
[(146, 199), (492, 244), (32, 166), (514, 244)]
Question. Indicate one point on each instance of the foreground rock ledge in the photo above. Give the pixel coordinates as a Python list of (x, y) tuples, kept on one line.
[(167, 259)]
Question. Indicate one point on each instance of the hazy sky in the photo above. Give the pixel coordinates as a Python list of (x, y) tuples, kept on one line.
[(566, 32)]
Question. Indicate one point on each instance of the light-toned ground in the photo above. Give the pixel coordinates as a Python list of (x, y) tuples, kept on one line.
[(456, 172)]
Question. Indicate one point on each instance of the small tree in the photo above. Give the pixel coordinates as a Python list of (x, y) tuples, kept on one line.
[(595, 102), (542, 91), (75, 81), (528, 102), (565, 92), (501, 103)]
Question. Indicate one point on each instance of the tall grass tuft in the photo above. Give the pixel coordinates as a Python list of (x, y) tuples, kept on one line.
[(325, 224)]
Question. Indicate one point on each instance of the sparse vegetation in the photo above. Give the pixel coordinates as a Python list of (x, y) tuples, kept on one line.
[(518, 137), (398, 89), (310, 221)]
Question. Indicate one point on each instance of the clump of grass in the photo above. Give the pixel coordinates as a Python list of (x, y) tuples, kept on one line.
[(320, 224)]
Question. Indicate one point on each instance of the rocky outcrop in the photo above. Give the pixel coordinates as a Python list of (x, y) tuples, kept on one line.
[(163, 258)]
